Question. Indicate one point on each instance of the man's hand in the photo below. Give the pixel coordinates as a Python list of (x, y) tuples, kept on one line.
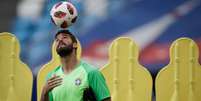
[(50, 84)]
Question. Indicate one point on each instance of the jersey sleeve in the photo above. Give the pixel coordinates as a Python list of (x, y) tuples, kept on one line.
[(50, 96), (98, 85)]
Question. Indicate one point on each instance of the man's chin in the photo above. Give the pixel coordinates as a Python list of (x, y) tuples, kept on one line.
[(64, 52), (62, 55)]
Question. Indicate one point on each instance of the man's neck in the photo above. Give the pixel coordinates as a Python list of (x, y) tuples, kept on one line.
[(69, 63)]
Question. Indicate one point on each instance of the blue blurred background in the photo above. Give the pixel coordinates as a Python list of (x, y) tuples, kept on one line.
[(152, 24)]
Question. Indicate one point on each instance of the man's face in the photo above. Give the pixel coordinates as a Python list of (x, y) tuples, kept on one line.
[(64, 45)]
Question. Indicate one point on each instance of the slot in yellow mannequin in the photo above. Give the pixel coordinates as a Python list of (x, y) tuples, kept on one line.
[(180, 80), (126, 78), (55, 62), (15, 76)]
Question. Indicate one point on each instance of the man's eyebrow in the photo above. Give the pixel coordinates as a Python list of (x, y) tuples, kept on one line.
[(65, 34)]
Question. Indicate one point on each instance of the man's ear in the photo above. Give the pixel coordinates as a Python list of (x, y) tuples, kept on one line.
[(75, 45)]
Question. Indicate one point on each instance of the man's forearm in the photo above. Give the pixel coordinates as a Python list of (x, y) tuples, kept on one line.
[(44, 96)]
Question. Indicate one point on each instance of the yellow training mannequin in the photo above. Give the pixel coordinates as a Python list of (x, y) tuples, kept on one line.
[(180, 80), (15, 76), (126, 78)]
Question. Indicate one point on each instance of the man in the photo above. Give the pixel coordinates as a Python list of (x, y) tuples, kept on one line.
[(74, 80)]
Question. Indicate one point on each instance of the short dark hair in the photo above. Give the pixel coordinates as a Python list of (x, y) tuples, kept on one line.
[(73, 38)]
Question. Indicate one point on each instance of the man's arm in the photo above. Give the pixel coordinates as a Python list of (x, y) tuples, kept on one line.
[(99, 87), (51, 83), (44, 95)]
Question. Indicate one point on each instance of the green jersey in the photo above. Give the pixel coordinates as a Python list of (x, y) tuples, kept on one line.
[(84, 82)]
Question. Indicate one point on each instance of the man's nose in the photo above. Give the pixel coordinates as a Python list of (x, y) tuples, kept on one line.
[(60, 40)]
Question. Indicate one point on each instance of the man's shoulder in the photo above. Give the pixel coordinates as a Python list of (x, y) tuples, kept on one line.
[(89, 67)]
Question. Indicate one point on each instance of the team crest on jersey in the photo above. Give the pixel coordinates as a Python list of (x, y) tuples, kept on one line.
[(78, 81)]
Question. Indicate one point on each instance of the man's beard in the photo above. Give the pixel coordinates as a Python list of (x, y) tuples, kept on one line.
[(65, 51)]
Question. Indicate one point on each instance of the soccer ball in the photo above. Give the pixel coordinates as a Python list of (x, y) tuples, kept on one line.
[(63, 14)]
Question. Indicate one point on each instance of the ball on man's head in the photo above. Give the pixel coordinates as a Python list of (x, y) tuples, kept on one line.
[(63, 14)]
